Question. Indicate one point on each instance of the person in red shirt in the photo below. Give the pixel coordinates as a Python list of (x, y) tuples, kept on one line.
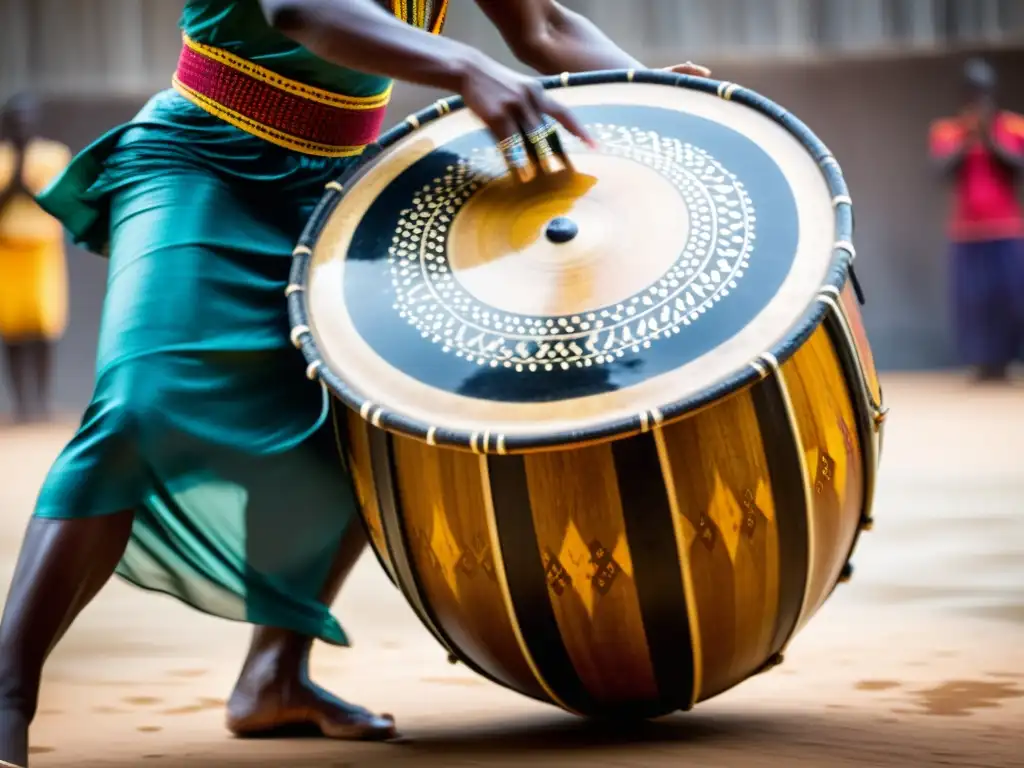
[(982, 152)]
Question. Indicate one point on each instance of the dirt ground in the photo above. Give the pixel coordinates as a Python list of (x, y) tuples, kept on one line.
[(919, 661)]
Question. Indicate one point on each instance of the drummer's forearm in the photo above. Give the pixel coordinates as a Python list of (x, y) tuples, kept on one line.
[(361, 35), (551, 39), (576, 44)]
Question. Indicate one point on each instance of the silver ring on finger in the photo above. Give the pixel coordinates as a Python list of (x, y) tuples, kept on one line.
[(545, 143), (513, 149), (539, 139)]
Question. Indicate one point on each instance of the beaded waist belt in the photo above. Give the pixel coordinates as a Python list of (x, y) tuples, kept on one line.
[(282, 111)]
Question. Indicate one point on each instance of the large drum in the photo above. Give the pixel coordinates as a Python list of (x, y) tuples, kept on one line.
[(615, 431)]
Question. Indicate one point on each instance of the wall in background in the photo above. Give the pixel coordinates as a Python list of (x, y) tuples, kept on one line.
[(873, 113), (132, 45)]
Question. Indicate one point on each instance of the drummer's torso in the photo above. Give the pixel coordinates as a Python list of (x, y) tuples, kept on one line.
[(178, 127), (229, 45), (239, 27)]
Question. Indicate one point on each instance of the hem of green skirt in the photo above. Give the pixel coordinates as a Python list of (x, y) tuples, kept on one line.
[(331, 633), (60, 513)]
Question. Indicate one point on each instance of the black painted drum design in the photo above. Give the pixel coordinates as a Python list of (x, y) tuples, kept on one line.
[(614, 431)]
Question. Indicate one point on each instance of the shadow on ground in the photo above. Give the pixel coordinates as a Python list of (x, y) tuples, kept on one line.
[(736, 740)]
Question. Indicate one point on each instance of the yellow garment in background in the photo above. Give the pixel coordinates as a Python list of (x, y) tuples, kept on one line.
[(33, 270)]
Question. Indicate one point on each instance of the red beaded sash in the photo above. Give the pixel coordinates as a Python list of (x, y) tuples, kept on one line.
[(282, 111)]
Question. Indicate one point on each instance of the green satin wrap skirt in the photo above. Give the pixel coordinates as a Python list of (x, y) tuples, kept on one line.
[(202, 420)]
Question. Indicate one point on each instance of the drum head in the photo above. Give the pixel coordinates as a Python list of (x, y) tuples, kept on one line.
[(449, 302)]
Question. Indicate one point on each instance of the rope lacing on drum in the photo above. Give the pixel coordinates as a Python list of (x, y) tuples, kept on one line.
[(845, 199)]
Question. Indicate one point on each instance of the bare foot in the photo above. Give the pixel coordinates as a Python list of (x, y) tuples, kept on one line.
[(274, 696), (301, 705)]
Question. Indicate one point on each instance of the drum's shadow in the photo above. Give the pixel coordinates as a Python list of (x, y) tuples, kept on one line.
[(759, 739), (545, 736)]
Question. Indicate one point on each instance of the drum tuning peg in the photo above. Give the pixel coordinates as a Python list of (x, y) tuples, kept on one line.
[(867, 523), (452, 659), (847, 573), (880, 415)]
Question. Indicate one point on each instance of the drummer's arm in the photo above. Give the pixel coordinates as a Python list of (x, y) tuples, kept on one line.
[(361, 35), (550, 38)]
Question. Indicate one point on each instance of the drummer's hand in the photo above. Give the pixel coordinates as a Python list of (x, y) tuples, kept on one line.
[(515, 108), (689, 68)]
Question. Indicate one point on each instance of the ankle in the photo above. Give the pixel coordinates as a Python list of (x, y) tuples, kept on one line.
[(18, 698), (281, 644), (14, 723), (274, 655)]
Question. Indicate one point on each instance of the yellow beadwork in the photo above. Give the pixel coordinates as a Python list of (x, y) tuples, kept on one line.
[(417, 13)]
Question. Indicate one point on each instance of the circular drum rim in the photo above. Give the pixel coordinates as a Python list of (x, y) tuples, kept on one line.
[(843, 254)]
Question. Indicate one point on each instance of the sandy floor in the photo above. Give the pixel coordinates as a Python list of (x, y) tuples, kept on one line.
[(918, 662)]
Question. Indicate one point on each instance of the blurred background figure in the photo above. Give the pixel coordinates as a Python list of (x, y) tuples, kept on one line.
[(33, 278), (981, 152)]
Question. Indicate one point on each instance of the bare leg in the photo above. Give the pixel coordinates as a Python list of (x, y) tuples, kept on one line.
[(17, 372), (62, 566), (274, 691)]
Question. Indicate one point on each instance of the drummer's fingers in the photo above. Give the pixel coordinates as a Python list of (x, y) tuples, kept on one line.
[(539, 134), (689, 68), (502, 125), (512, 145), (544, 104)]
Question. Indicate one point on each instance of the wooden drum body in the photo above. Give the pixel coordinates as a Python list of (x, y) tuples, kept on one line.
[(617, 472)]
